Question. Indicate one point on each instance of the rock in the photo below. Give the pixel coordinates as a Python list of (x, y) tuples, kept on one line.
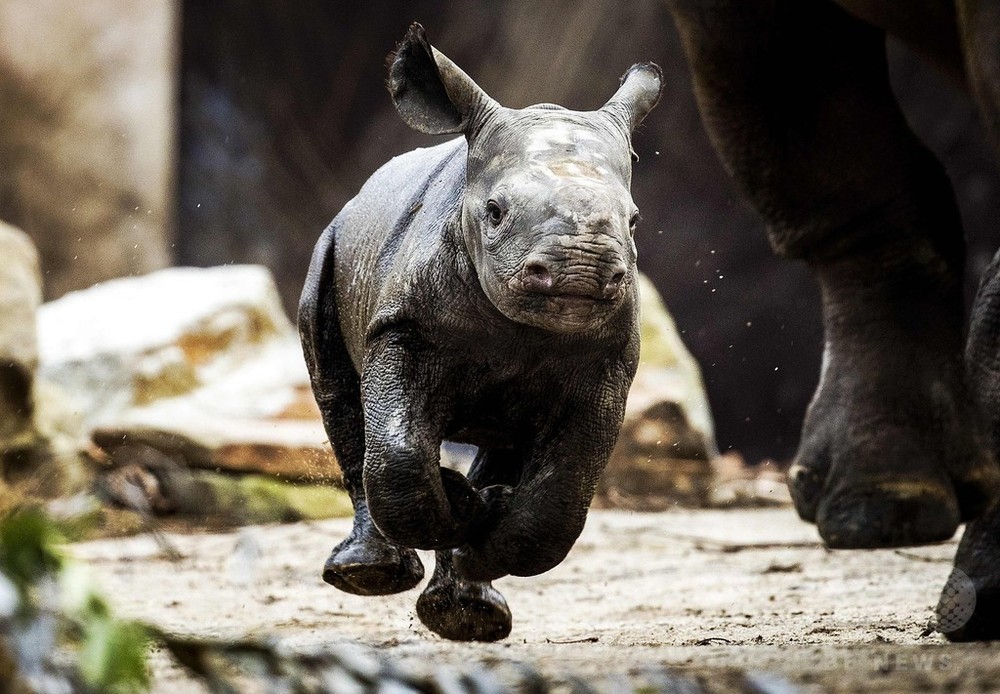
[(667, 363), (737, 484), (289, 449), (666, 445), (20, 296), (202, 365), (130, 342), (38, 457), (87, 93), (145, 479)]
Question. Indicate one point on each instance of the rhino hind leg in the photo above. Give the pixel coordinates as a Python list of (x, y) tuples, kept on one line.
[(462, 610), (364, 563), (892, 450), (457, 608)]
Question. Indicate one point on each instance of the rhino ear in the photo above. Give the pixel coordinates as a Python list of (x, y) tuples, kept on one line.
[(639, 92), (431, 93)]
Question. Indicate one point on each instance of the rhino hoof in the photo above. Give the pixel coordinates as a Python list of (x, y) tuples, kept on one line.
[(372, 567), (983, 624), (969, 607), (464, 611), (889, 515), (889, 486)]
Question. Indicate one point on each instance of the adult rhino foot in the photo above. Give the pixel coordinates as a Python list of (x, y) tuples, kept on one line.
[(892, 462), (462, 610), (969, 606), (368, 564), (893, 451)]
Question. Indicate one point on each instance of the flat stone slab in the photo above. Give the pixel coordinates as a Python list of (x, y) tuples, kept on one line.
[(291, 449)]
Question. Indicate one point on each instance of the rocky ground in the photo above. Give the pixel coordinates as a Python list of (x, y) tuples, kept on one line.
[(701, 593)]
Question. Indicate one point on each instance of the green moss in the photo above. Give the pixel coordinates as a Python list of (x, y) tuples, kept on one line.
[(247, 499), (658, 332)]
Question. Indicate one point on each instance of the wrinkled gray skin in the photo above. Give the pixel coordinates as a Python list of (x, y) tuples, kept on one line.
[(795, 95), (481, 291)]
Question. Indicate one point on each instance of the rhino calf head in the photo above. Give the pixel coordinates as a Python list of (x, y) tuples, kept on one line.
[(547, 214)]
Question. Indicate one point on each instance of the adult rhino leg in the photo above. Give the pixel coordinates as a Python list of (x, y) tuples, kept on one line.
[(977, 562), (796, 98), (364, 563), (969, 608), (460, 609)]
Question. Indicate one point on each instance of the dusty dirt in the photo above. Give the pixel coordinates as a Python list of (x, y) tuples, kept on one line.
[(700, 592)]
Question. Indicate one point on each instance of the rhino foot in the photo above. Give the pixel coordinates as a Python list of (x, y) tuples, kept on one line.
[(368, 564), (462, 610), (969, 606), (892, 462)]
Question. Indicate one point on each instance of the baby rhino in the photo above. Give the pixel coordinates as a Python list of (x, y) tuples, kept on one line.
[(480, 291)]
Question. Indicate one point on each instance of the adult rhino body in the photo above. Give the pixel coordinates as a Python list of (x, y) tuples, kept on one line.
[(896, 446), (479, 291)]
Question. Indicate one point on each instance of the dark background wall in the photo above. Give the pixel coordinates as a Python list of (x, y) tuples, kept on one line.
[(284, 114)]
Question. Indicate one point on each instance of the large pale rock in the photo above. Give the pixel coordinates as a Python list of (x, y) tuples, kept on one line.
[(666, 445), (20, 296), (131, 341), (259, 417), (87, 97), (200, 364)]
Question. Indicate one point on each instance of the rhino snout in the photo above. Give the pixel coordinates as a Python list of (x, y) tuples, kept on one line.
[(598, 280)]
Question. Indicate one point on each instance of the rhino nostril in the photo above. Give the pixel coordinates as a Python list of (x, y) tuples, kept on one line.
[(537, 277), (537, 270), (614, 283)]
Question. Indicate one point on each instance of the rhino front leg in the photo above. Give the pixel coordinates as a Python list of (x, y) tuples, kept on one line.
[(797, 100), (408, 401), (457, 608), (529, 529)]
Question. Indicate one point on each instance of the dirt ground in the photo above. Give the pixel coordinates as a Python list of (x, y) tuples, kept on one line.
[(699, 592)]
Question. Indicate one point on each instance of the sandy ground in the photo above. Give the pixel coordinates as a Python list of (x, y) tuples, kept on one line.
[(700, 592)]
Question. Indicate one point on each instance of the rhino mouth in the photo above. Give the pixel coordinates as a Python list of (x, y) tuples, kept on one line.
[(562, 312), (578, 301), (576, 306), (564, 307)]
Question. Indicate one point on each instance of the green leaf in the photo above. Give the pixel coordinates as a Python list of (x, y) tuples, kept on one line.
[(29, 546), (113, 657)]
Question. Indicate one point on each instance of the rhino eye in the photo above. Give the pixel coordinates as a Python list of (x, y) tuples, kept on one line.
[(634, 222), (494, 212)]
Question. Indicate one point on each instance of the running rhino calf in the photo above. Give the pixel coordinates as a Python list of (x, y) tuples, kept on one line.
[(479, 291)]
